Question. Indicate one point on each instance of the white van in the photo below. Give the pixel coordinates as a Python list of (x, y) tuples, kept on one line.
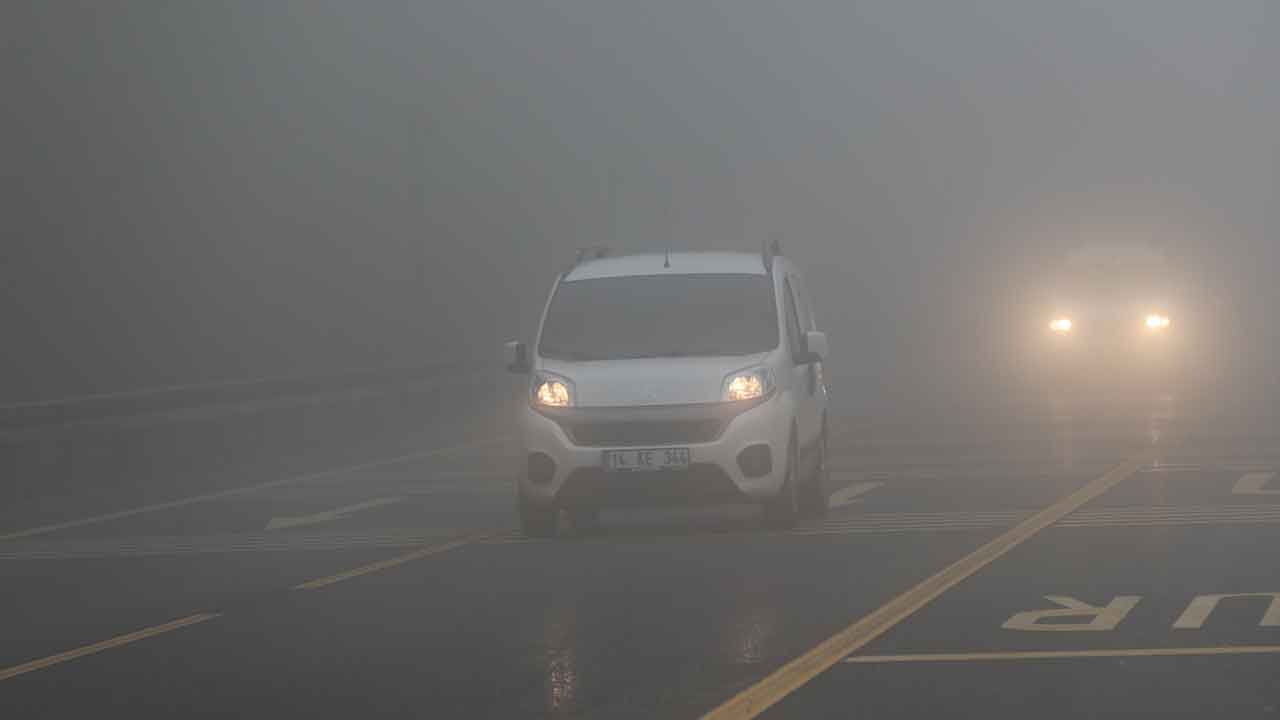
[(686, 378)]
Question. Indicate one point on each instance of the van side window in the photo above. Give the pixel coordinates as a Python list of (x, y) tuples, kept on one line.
[(795, 335)]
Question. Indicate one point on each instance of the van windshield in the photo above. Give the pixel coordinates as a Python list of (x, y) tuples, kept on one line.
[(660, 316)]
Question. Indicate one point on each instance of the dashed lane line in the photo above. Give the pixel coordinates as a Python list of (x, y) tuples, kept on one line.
[(233, 492), (387, 564), (115, 642), (149, 632)]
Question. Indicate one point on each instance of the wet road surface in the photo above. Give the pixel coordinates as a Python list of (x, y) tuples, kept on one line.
[(1062, 565)]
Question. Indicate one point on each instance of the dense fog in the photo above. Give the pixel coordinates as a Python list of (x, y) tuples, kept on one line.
[(208, 191)]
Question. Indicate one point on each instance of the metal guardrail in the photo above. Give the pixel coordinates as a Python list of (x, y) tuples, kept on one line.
[(103, 406)]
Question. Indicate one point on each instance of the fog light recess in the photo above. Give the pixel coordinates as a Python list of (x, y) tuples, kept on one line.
[(541, 468), (756, 461)]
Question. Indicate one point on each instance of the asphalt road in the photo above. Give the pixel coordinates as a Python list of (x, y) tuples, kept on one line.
[(1080, 560)]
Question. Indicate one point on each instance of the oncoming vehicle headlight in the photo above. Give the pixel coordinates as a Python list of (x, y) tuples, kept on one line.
[(1156, 321), (552, 391), (1061, 325), (751, 384)]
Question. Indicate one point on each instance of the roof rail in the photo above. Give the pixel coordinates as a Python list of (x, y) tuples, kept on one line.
[(594, 252)]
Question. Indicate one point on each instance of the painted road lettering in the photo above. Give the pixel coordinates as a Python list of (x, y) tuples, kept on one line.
[(1091, 618), (1194, 617)]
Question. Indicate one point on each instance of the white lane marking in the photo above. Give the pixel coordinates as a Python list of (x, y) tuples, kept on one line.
[(1170, 512), (1172, 468), (223, 544), (849, 495), (1132, 517), (1255, 483), (1263, 465), (283, 523), (1066, 654), (233, 492), (497, 488)]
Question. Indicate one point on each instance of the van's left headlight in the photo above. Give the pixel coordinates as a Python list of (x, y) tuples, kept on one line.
[(752, 384), (1156, 321), (552, 391)]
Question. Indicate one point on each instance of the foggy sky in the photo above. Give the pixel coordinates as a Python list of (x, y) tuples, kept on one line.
[(200, 191)]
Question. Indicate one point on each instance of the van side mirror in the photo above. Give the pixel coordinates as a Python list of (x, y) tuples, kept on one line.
[(517, 356), (815, 348)]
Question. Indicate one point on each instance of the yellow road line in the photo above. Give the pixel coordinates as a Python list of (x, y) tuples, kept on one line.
[(782, 682), (387, 564), (1067, 654), (114, 642), (180, 623)]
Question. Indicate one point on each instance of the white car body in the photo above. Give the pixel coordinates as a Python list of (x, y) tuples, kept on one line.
[(665, 402)]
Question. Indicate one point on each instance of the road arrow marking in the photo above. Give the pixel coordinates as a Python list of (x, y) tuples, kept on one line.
[(282, 523), (1254, 483), (849, 495)]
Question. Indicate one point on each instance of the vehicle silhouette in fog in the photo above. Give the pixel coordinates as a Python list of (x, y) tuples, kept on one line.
[(686, 378), (1113, 313)]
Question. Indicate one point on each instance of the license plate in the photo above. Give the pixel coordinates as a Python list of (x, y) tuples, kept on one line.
[(647, 460)]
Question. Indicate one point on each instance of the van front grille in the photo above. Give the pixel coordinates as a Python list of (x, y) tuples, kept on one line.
[(637, 433)]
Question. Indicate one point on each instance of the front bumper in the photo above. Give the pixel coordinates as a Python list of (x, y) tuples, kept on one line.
[(574, 441)]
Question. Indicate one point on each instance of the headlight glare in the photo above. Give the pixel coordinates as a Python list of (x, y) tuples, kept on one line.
[(1061, 325), (748, 385), (553, 391), (1156, 321)]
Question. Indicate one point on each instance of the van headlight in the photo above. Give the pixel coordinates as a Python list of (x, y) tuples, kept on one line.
[(753, 384), (1061, 325), (552, 391), (1156, 321)]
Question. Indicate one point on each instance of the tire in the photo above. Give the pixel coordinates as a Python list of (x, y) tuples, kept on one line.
[(781, 512), (814, 497), (538, 521)]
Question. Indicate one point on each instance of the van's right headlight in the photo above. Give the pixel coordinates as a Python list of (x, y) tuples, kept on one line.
[(752, 384), (552, 391)]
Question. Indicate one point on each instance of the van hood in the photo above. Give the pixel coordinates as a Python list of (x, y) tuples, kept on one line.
[(650, 381)]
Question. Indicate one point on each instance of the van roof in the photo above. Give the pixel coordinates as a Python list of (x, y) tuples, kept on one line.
[(685, 263)]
